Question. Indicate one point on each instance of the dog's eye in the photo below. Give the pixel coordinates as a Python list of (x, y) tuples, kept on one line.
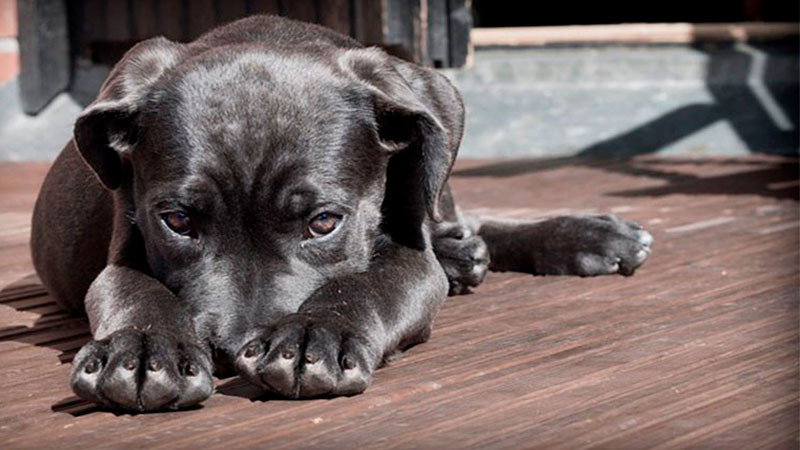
[(179, 222), (323, 224)]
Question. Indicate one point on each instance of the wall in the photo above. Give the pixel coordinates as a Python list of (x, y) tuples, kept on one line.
[(9, 52)]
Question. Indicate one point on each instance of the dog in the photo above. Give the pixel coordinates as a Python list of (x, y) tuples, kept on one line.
[(271, 201)]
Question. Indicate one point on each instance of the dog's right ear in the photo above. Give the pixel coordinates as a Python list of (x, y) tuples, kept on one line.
[(101, 134), (108, 128)]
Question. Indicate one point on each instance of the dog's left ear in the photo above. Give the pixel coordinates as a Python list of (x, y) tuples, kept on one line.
[(409, 129)]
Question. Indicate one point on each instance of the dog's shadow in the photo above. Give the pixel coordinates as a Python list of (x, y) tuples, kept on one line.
[(232, 387), (238, 387)]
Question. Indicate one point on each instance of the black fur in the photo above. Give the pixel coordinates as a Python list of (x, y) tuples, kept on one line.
[(251, 131)]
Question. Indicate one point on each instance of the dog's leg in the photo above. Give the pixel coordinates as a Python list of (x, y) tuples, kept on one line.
[(145, 354), (71, 230), (585, 245), (345, 330)]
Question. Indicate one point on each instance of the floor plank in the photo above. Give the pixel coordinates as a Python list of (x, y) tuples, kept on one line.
[(699, 349)]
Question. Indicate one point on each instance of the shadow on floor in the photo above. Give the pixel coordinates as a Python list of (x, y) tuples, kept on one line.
[(238, 387), (54, 328), (777, 180), (773, 178)]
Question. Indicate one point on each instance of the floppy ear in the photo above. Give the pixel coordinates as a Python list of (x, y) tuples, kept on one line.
[(410, 129), (101, 134), (108, 127)]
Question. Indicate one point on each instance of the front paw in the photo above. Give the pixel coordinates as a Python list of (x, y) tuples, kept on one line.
[(142, 371), (306, 356), (463, 256), (596, 245)]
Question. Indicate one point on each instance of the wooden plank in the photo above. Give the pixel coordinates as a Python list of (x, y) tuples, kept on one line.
[(230, 10), (335, 14), (438, 31), (263, 7), (118, 21), (697, 350), (43, 52), (304, 10), (403, 35), (459, 27), (145, 22), (173, 22), (93, 20), (639, 33), (369, 21), (201, 17)]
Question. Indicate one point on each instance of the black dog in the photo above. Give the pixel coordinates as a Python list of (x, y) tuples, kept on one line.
[(271, 199)]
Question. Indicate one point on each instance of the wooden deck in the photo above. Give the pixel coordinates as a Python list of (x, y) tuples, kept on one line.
[(698, 350)]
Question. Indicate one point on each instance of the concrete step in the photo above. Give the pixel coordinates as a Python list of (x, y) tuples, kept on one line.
[(617, 100)]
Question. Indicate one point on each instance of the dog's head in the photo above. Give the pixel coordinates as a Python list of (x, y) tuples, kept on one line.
[(251, 174)]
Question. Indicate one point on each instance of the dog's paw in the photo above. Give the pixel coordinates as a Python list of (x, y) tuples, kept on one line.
[(142, 371), (306, 356), (596, 245), (463, 256)]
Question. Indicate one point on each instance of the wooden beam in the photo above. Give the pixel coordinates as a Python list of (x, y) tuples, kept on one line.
[(335, 14), (230, 10), (263, 7), (173, 22), (369, 17), (403, 31), (437, 34), (201, 15), (44, 52), (677, 33), (304, 10), (459, 27)]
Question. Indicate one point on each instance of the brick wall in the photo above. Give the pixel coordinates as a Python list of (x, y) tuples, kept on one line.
[(9, 50)]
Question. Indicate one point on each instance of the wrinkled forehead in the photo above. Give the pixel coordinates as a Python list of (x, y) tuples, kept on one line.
[(258, 98), (251, 115)]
